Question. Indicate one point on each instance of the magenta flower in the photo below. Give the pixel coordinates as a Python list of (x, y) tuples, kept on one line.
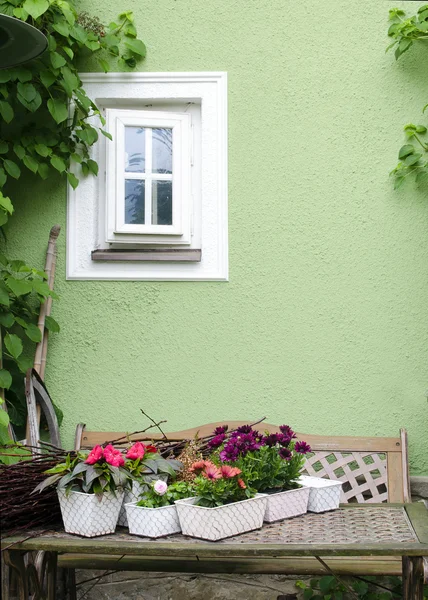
[(113, 457), (285, 453), (243, 429), (302, 447), (138, 450), (94, 455), (286, 430), (217, 441), (220, 430), (271, 440)]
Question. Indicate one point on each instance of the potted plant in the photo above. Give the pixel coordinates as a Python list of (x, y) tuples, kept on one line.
[(155, 514), (90, 490), (145, 465), (324, 494), (271, 464), (223, 505)]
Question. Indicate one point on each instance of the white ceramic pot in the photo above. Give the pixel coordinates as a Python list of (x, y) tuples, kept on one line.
[(324, 494), (152, 522), (86, 515), (222, 521), (132, 495), (284, 505)]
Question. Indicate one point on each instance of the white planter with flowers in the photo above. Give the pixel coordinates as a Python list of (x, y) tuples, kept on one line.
[(324, 494), (221, 522), (89, 515), (152, 522), (287, 504)]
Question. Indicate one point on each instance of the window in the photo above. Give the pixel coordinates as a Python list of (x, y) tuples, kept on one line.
[(158, 209)]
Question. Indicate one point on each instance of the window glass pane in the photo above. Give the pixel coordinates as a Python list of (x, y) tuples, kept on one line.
[(162, 151), (135, 150), (162, 203), (134, 201)]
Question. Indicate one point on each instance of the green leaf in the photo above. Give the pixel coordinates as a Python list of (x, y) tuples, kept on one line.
[(421, 129), (3, 177), (33, 332), (69, 52), (35, 8), (4, 418), (42, 150), (405, 151), (23, 74), (422, 177), (104, 65), (29, 96), (62, 28), (12, 168), (31, 163), (5, 75), (58, 110), (72, 180), (58, 163), (76, 157), (4, 147), (13, 345), (5, 379), (402, 47), (4, 294), (19, 151), (327, 583), (43, 170), (48, 78), (41, 287), (6, 204), (70, 81), (6, 111), (107, 134), (136, 46), (399, 182), (20, 287), (6, 318), (412, 159), (24, 363), (51, 325), (57, 60)]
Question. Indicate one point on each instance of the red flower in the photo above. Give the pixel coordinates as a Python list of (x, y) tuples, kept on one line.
[(241, 484), (136, 451), (199, 466), (151, 448), (228, 472), (113, 457), (211, 471), (94, 455)]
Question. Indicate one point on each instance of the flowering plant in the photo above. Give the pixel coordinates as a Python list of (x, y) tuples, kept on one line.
[(269, 463), (218, 485), (146, 465), (99, 471), (161, 494)]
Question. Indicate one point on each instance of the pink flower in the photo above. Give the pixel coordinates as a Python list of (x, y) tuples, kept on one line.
[(94, 455), (241, 484), (228, 472), (160, 487), (198, 466), (113, 457), (136, 451), (211, 471), (151, 448)]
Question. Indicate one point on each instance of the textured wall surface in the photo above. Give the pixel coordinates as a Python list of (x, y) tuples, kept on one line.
[(324, 323)]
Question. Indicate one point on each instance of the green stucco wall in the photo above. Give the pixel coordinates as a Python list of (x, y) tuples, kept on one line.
[(324, 322)]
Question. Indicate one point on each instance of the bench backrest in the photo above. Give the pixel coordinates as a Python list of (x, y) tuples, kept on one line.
[(372, 469)]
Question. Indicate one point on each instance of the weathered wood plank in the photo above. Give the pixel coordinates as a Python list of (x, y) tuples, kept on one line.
[(293, 565), (418, 516), (317, 442), (213, 550), (395, 477)]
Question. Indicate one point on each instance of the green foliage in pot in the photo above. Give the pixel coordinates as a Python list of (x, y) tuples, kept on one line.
[(161, 494), (413, 156), (47, 126)]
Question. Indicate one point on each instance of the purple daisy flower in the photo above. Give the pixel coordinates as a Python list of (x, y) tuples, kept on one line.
[(286, 430), (285, 453), (217, 441), (284, 440), (220, 430), (244, 429), (302, 447), (271, 440)]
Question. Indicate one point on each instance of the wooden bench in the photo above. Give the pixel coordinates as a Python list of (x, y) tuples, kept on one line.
[(372, 469)]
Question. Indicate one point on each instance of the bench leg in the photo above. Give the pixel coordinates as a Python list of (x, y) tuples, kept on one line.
[(36, 576), (413, 577)]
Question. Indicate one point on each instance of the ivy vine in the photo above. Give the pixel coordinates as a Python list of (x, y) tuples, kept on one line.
[(413, 156), (47, 128)]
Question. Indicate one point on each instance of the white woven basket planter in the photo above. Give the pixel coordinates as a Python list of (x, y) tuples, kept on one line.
[(132, 495), (324, 494), (152, 522), (222, 521), (85, 515), (284, 505)]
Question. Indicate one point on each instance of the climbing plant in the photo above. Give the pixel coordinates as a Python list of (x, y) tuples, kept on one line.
[(47, 125), (413, 156)]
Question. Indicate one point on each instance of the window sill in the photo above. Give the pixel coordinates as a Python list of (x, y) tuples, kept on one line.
[(153, 255)]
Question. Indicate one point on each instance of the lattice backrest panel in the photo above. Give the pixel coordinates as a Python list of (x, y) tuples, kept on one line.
[(364, 473)]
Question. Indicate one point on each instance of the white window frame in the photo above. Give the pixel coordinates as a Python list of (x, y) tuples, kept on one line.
[(86, 205), (117, 230)]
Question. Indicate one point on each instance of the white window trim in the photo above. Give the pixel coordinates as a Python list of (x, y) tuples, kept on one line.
[(210, 88)]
